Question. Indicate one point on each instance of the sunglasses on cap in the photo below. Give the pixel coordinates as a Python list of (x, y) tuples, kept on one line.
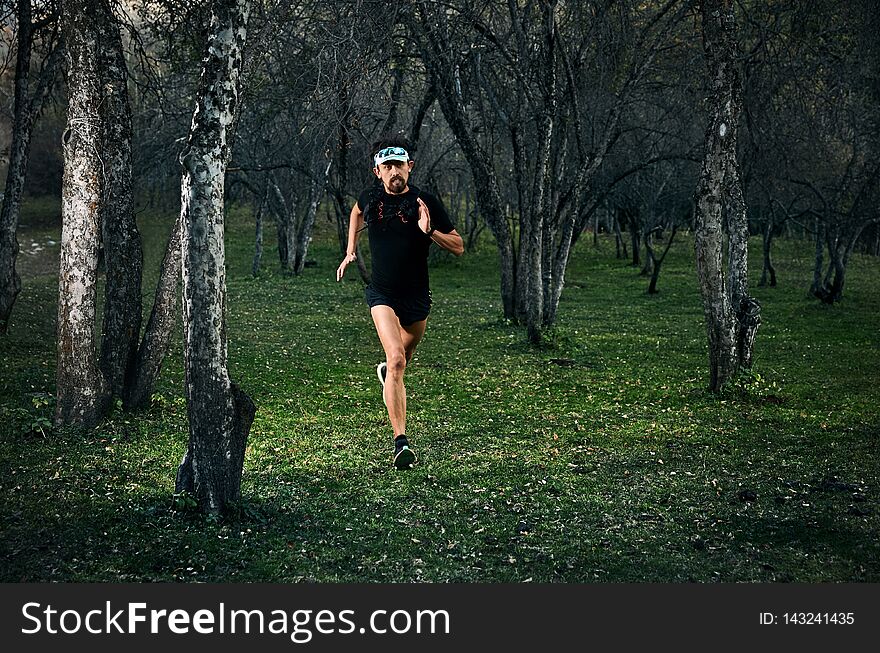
[(390, 154)]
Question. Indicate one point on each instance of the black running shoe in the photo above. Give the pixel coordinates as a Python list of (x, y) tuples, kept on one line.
[(404, 457)]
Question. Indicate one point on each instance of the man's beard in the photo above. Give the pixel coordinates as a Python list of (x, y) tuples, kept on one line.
[(396, 184)]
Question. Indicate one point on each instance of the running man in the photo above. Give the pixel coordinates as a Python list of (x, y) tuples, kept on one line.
[(402, 222)]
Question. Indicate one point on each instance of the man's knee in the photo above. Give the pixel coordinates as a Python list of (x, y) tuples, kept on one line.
[(396, 363)]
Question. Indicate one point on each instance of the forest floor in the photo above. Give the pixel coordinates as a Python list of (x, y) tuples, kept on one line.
[(599, 457)]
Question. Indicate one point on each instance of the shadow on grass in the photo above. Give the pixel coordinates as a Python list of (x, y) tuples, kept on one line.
[(146, 539)]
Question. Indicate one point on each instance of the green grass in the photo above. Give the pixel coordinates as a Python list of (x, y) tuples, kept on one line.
[(597, 458)]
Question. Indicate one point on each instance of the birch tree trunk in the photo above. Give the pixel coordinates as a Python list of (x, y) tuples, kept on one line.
[(24, 114), (731, 316), (538, 239), (220, 414), (122, 241), (82, 392)]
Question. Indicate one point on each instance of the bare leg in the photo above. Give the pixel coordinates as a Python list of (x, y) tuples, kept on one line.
[(389, 330), (411, 335), (399, 344)]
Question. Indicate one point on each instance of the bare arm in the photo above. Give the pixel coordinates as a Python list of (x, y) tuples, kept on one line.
[(451, 242), (355, 222)]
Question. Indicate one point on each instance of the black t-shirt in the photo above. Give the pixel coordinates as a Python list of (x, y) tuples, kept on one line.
[(398, 248)]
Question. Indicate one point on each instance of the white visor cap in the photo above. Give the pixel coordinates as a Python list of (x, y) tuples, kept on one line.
[(390, 154)]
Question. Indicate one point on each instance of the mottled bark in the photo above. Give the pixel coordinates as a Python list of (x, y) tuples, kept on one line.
[(547, 279), (123, 254), (748, 319), (737, 225), (220, 414), (160, 326), (82, 393), (731, 316), (540, 236), (25, 110)]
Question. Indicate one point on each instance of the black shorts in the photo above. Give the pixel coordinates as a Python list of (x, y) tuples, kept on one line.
[(409, 307)]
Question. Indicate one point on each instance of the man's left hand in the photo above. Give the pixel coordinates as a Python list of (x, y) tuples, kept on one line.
[(424, 216)]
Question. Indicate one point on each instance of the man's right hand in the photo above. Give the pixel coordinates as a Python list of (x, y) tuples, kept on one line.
[(341, 269)]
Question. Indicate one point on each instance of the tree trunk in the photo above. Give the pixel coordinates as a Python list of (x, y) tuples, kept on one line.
[(648, 266), (731, 316), (635, 236), (416, 129), (258, 239), (746, 310), (541, 241), (393, 101), (285, 226), (819, 250), (839, 250), (488, 198), (658, 262), (220, 414), (24, 114), (520, 167), (343, 211), (765, 242), (157, 335), (82, 391), (304, 235), (619, 242), (123, 254), (835, 288)]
